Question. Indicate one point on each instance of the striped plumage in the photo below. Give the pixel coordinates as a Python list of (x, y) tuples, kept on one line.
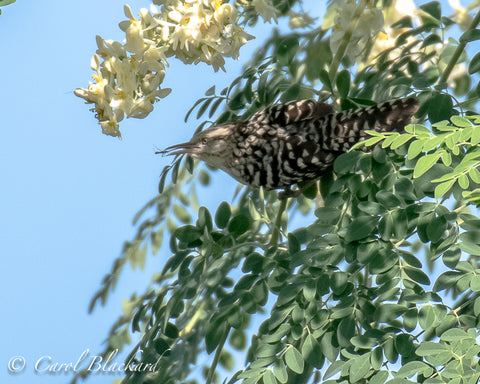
[(288, 143)]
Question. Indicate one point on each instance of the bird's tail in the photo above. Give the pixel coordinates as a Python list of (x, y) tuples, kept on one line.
[(348, 127)]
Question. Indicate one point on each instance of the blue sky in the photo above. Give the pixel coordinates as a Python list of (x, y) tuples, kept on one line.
[(68, 192)]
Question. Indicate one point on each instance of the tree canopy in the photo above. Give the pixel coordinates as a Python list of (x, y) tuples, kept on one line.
[(379, 281)]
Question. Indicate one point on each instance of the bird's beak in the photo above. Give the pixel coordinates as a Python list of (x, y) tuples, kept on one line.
[(179, 149)]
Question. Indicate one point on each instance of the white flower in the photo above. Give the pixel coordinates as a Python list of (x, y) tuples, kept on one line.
[(128, 80), (108, 48), (387, 37), (458, 71), (134, 33), (366, 26), (265, 9), (299, 20), (461, 17)]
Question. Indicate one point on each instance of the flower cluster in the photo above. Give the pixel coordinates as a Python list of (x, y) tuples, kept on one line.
[(128, 76), (461, 16), (386, 38), (341, 16)]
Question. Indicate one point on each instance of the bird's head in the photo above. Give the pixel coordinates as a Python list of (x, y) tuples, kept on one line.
[(211, 145)]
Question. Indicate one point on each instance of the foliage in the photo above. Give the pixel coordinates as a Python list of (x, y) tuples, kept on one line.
[(380, 283), (5, 2)]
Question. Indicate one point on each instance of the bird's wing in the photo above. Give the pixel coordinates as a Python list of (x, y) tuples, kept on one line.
[(291, 112)]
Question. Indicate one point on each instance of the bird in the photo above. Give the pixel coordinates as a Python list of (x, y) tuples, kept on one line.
[(294, 142)]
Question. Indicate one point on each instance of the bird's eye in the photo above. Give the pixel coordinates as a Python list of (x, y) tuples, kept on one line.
[(204, 141)]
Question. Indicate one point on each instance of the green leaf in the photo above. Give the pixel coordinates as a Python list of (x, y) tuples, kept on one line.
[(363, 341), (280, 371), (460, 121), (389, 350), (194, 106), (446, 280), (379, 378), (474, 65), (204, 220), (325, 79), (343, 83), (475, 283), (360, 228), (188, 233), (181, 214), (376, 358), (388, 199), (470, 248), (237, 102), (415, 148), (405, 22), (214, 107), (360, 367), (226, 361), (390, 139), (171, 331), (454, 334), (338, 283), (328, 215), (404, 344), (286, 49), (294, 360), (345, 331), (443, 188), (238, 339), (389, 312), (214, 334), (239, 225), (426, 317), (210, 91), (410, 319), (433, 8), (475, 138), (400, 140), (440, 107), (414, 367), (161, 346), (426, 348), (425, 163), (269, 377), (292, 93), (436, 228), (417, 275), (367, 143), (463, 181), (6, 2), (345, 162), (335, 367), (222, 216), (312, 352), (476, 307), (470, 35), (474, 175)]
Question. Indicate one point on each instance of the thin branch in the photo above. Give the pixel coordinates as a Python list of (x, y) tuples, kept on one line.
[(458, 52), (278, 223), (211, 371), (346, 39)]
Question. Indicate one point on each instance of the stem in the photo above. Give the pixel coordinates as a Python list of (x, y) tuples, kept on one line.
[(278, 222), (346, 40), (458, 52), (191, 323), (211, 371)]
